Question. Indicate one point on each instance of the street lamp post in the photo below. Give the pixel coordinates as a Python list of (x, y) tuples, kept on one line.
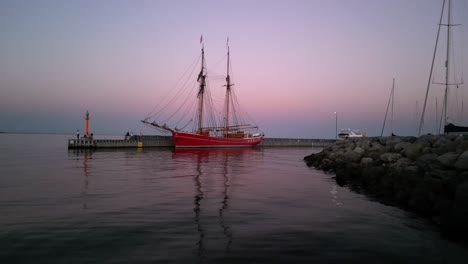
[(336, 125)]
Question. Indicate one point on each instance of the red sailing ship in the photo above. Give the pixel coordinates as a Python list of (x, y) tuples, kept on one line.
[(208, 131)]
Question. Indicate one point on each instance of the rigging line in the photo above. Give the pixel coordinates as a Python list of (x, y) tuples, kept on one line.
[(184, 116), (185, 101), (185, 72), (184, 87), (238, 115), (457, 62), (209, 106), (219, 62), (432, 67), (388, 106), (436, 116), (211, 115), (189, 109), (442, 113), (237, 109), (162, 131), (243, 111), (186, 124), (183, 105)]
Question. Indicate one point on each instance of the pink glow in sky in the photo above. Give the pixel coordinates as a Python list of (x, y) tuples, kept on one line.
[(295, 63)]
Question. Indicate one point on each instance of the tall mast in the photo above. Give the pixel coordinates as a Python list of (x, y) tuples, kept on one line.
[(390, 99), (228, 92), (461, 113), (447, 61), (431, 71), (201, 92), (437, 127), (393, 102)]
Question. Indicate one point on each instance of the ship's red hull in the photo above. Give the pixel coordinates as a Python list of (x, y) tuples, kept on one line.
[(191, 140)]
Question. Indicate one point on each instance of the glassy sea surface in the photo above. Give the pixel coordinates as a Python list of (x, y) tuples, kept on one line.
[(194, 206)]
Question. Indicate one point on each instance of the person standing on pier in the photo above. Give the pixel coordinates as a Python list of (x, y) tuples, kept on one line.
[(78, 134)]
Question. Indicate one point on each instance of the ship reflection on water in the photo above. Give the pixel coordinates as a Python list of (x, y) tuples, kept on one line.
[(208, 198)]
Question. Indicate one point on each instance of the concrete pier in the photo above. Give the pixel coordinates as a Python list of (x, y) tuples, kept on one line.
[(166, 141)]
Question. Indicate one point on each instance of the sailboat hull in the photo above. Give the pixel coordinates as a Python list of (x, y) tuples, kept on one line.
[(191, 140)]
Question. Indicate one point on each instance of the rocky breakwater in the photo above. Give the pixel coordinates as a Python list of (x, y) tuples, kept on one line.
[(427, 175)]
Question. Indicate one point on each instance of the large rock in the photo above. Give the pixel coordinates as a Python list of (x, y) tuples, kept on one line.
[(461, 147), (448, 159), (413, 151), (428, 162), (359, 150), (401, 146), (446, 144), (392, 141), (376, 146), (390, 157), (424, 195), (405, 181), (366, 162), (462, 161), (352, 156), (326, 165)]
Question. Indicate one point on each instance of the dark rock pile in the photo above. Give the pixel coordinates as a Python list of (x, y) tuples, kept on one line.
[(427, 175)]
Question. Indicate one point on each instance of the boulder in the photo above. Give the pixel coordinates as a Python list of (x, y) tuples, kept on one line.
[(462, 161), (364, 143), (390, 157), (326, 165), (442, 174), (376, 146), (461, 147), (445, 144), (383, 140), (352, 156), (413, 151), (366, 162), (448, 159), (359, 150), (371, 177), (392, 141), (424, 195), (428, 162), (401, 146)]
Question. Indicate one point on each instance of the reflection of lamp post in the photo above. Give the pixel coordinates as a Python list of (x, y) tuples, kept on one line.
[(336, 125)]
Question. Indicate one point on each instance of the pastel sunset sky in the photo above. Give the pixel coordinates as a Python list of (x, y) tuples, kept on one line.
[(295, 62)]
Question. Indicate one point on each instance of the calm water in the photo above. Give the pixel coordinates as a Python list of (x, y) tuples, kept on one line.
[(194, 206)]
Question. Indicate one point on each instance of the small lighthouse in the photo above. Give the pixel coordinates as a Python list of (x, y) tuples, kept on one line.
[(87, 124)]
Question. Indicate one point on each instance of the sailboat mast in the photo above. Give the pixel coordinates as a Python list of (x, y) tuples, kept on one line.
[(461, 113), (390, 99), (393, 102), (437, 129), (201, 92), (228, 93), (447, 61), (431, 71)]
